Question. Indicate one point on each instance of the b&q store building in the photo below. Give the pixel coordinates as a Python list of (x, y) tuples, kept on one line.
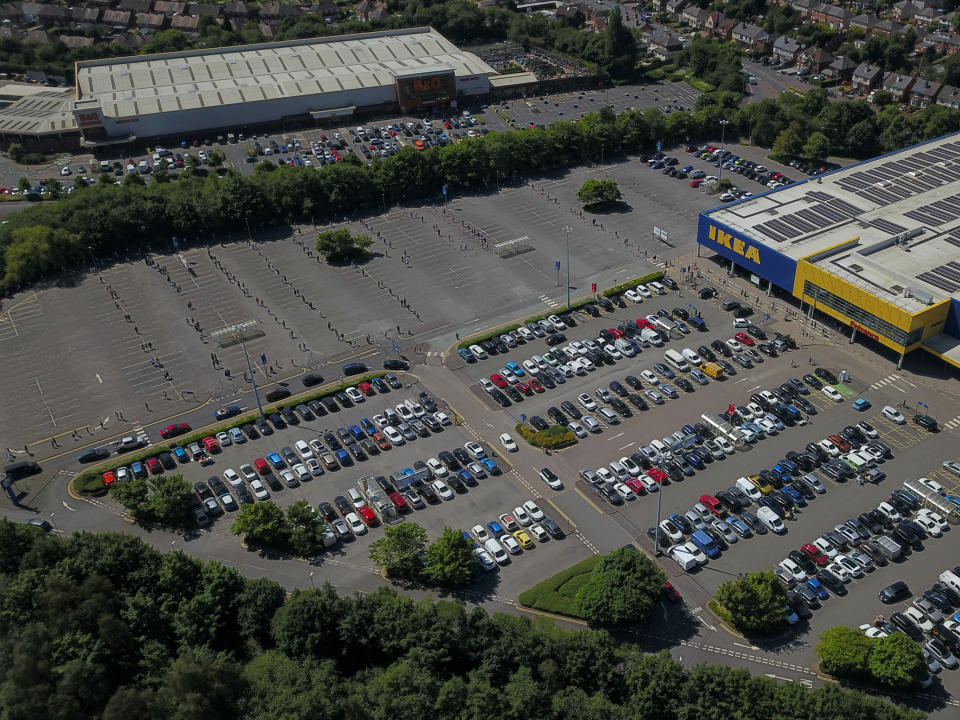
[(875, 245)]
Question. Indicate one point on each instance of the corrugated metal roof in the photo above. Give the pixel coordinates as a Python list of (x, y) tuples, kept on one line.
[(43, 112), (128, 86)]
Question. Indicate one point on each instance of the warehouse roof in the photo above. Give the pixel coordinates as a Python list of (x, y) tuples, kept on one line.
[(169, 82), (890, 225), (46, 111)]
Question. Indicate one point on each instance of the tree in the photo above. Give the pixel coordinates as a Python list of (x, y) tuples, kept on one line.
[(450, 562), (171, 501), (623, 587), (598, 194), (306, 528), (400, 550), (896, 661), (788, 144), (216, 158), (261, 524), (16, 151), (133, 495), (882, 98), (844, 652), (24, 185), (192, 161), (341, 246), (817, 147), (756, 603)]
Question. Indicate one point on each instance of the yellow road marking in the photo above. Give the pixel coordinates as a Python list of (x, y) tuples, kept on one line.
[(589, 501), (562, 513)]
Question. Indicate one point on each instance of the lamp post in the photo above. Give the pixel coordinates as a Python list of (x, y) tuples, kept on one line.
[(674, 448), (723, 133), (236, 332), (567, 230)]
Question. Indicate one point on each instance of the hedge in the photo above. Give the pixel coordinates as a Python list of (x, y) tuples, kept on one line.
[(555, 437), (630, 284), (558, 594), (91, 481)]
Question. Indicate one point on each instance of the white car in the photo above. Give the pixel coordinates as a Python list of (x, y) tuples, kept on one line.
[(379, 420), (840, 571), (741, 323), (724, 444), (683, 557), (826, 547), (479, 352), (249, 474), (480, 533), (303, 449), (796, 572), (649, 484), (633, 296), (933, 485), (918, 618), (931, 526), (476, 450), (768, 426), (893, 415), (511, 544), (557, 322), (649, 377), (872, 631), (521, 516), (442, 490), (889, 511), (605, 475), (531, 367), (832, 393), (438, 469), (630, 466), (535, 513), (393, 435), (934, 517), (832, 450), (485, 559), (577, 429), (587, 402), (951, 466), (696, 552), (644, 291), (487, 385), (314, 467), (416, 408), (734, 345), (496, 551), (538, 533), (224, 439), (624, 492), (673, 533), (850, 565), (405, 413), (300, 470), (508, 443), (230, 475), (442, 418), (355, 523), (722, 527), (356, 397), (259, 491)]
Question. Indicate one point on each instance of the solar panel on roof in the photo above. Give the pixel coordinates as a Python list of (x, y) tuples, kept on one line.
[(817, 195), (815, 217), (936, 282), (782, 228), (762, 227), (887, 226), (801, 225), (845, 207), (952, 240)]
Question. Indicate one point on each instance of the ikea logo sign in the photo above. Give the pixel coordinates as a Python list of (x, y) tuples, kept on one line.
[(725, 239)]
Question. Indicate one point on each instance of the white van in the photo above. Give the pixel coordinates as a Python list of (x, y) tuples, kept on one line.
[(773, 522), (104, 166), (748, 489), (652, 337), (143, 167), (950, 579), (676, 361), (625, 347), (657, 288), (691, 357)]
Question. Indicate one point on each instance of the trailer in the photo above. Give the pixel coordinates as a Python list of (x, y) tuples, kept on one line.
[(890, 548), (934, 501), (377, 499), (722, 427)]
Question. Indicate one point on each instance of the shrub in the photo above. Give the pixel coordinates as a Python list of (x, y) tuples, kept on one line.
[(554, 437)]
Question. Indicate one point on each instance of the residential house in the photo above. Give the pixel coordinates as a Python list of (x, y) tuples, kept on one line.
[(136, 6), (751, 37), (866, 77), (675, 7), (899, 86), (266, 31), (712, 22), (210, 10), (945, 44), (864, 22), (831, 15), (804, 7), (274, 12), (888, 27), (695, 15), (85, 16), (815, 59), (117, 18), (236, 10), (664, 45), (152, 21), (169, 7), (50, 15), (927, 16), (841, 69), (185, 23), (786, 49), (904, 10), (949, 96), (725, 28), (133, 41), (925, 93), (40, 37), (327, 8), (76, 41)]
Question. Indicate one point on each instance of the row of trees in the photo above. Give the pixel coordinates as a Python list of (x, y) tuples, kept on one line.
[(405, 553), (110, 220), (103, 626), (894, 661), (264, 524), (166, 500)]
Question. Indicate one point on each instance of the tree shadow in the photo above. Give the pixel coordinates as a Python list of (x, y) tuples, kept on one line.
[(618, 208)]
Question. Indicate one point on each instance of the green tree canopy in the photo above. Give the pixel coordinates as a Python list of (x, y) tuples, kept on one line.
[(622, 588), (844, 652), (262, 524), (401, 550), (756, 603), (896, 661), (450, 562), (340, 245), (598, 194)]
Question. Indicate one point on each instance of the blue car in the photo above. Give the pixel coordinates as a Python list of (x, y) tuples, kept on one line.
[(275, 460), (694, 461), (490, 466), (226, 412), (466, 355), (686, 168), (180, 454), (138, 470), (467, 478), (658, 164), (495, 528), (861, 404), (236, 434), (954, 499), (794, 495), (407, 471), (691, 430), (356, 432), (514, 368), (790, 465), (343, 457), (781, 472), (739, 526), (367, 425), (818, 588)]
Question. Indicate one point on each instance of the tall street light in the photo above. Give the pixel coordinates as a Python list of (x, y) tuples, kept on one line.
[(567, 229), (723, 157), (235, 331)]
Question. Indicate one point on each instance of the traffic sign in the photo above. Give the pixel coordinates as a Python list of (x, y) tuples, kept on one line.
[(396, 348), (766, 316), (558, 265)]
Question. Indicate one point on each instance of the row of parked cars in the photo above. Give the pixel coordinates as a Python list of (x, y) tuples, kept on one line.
[(931, 618), (511, 534)]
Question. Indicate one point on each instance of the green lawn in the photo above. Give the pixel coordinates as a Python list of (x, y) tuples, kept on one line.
[(558, 594)]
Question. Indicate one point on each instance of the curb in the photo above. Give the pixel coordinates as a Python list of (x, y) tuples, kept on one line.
[(552, 616), (723, 624)]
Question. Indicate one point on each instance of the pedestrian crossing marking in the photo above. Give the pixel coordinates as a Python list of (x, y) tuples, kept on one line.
[(888, 380)]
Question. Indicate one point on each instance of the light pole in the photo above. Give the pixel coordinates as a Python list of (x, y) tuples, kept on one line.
[(567, 229), (674, 448), (236, 332), (723, 133)]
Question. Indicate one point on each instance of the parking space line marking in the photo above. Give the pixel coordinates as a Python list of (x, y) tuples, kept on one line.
[(589, 501), (562, 513)]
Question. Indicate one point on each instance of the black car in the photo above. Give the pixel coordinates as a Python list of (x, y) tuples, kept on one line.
[(395, 364), (538, 423), (948, 592), (750, 519), (926, 422), (551, 527), (684, 384), (289, 416), (513, 393), (870, 522), (556, 339), (813, 382), (380, 385), (903, 535), (707, 354), (664, 539), (728, 501), (681, 313), (739, 496), (825, 375), (803, 561), (707, 293), (832, 582), (167, 460), (902, 623), (311, 379), (620, 407), (941, 601), (558, 417), (618, 389), (638, 402), (571, 409), (202, 490), (500, 398), (93, 454), (634, 382), (742, 312), (393, 381), (462, 456), (757, 332)]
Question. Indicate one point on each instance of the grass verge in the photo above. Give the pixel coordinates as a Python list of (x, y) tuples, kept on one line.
[(558, 594)]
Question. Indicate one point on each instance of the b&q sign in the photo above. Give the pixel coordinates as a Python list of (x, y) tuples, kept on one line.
[(424, 85), (89, 119)]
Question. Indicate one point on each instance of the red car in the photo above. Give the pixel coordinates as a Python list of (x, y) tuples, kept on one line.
[(644, 323), (712, 504), (261, 466), (525, 388), (536, 385), (368, 516), (635, 485), (842, 445), (497, 379), (813, 552), (153, 466), (210, 445), (657, 474), (399, 501), (670, 592), (381, 441), (176, 429), (616, 332), (744, 338), (366, 388), (109, 478), (696, 183)]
